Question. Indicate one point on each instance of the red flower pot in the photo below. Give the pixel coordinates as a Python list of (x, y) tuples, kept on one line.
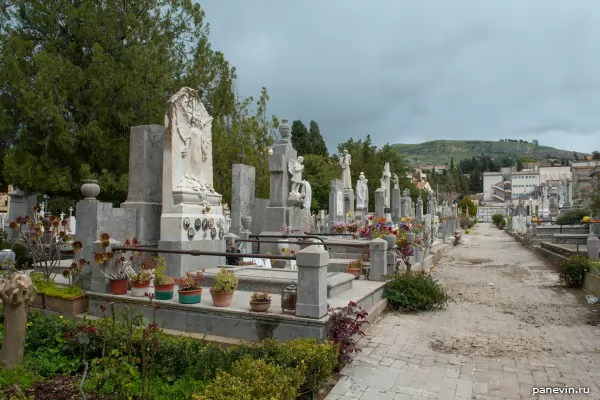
[(119, 286)]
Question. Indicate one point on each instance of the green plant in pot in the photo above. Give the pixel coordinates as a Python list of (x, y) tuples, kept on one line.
[(260, 301), (355, 268), (117, 266), (222, 291), (190, 287), (163, 284)]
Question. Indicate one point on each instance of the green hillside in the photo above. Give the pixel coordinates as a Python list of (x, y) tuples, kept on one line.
[(441, 151)]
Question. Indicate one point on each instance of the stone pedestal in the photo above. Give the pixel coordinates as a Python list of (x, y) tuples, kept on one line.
[(336, 203), (279, 212), (380, 203), (312, 282), (144, 195), (348, 196), (593, 247), (242, 194), (391, 253), (378, 249)]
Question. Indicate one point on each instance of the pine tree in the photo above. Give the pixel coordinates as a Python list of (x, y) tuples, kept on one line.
[(318, 143), (301, 138)]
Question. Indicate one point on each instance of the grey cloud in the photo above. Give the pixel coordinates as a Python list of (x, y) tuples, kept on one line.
[(409, 71)]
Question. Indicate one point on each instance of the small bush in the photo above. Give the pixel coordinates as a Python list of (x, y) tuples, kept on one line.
[(502, 224), (345, 328), (573, 217), (413, 291), (497, 218), (472, 222), (573, 270), (252, 379)]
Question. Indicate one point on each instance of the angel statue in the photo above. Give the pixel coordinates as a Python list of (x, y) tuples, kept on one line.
[(306, 194), (362, 192), (295, 168), (345, 161)]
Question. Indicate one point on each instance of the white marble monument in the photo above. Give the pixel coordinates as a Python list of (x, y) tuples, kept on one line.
[(345, 162), (192, 216)]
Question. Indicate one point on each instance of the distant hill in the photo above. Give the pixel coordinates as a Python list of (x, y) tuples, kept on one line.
[(441, 151)]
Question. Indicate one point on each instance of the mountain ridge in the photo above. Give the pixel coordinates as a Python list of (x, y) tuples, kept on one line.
[(440, 152)]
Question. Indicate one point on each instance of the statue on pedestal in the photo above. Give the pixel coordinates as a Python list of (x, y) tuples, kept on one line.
[(345, 161), (362, 192), (295, 168)]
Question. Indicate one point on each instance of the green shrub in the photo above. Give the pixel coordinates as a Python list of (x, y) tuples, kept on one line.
[(472, 222), (573, 270), (497, 218), (252, 379), (414, 290), (19, 375), (572, 217), (502, 224)]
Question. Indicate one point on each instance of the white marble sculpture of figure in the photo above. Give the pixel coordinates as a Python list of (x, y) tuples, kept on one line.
[(191, 138), (306, 194), (295, 167), (396, 181), (345, 162), (361, 191)]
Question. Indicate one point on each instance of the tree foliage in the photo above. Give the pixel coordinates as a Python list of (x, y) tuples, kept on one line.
[(320, 171), (301, 138), (76, 75)]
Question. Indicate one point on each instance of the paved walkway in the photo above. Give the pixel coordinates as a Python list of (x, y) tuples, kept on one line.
[(510, 328)]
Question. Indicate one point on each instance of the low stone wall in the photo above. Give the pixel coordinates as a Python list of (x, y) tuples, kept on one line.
[(591, 283)]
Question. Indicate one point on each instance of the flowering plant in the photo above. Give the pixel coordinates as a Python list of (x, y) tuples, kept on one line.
[(190, 281), (339, 227), (44, 238), (286, 230), (377, 228), (118, 265), (73, 273), (356, 264), (160, 278)]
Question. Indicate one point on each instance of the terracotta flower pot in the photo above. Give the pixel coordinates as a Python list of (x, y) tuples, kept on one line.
[(260, 306), (164, 292), (190, 296), (139, 289), (355, 272), (221, 299), (119, 286)]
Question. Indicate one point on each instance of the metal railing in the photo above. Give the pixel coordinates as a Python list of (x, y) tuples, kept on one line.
[(204, 253)]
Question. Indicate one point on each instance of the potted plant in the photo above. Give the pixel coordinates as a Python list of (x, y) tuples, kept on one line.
[(116, 266), (140, 282), (260, 301), (355, 268), (163, 284), (190, 287), (222, 291)]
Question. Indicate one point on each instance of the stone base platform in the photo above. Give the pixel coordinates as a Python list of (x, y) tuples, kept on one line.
[(237, 321), (274, 280)]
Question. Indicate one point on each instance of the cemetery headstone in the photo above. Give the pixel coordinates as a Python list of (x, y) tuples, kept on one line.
[(242, 194)]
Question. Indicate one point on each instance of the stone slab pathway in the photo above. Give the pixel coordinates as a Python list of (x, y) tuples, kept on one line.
[(511, 327)]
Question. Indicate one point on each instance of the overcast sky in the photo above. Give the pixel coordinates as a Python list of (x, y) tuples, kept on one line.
[(413, 71)]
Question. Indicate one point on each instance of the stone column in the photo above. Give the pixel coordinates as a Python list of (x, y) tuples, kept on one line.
[(419, 210), (378, 249), (391, 253), (403, 207), (444, 231), (144, 194), (242, 194), (312, 282), (396, 215), (380, 203), (593, 247)]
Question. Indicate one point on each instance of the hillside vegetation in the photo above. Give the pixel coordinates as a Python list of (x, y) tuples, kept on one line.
[(442, 151)]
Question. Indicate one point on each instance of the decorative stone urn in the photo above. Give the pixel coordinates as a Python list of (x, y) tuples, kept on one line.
[(284, 130), (246, 222), (90, 189)]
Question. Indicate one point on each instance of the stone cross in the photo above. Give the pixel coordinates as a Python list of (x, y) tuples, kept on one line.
[(62, 216), (70, 212)]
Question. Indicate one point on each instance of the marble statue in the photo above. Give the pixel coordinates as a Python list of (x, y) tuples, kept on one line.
[(362, 192), (386, 185), (396, 181), (189, 131), (306, 194), (295, 168), (405, 193), (345, 161)]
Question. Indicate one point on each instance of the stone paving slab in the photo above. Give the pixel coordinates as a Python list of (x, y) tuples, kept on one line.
[(511, 327)]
